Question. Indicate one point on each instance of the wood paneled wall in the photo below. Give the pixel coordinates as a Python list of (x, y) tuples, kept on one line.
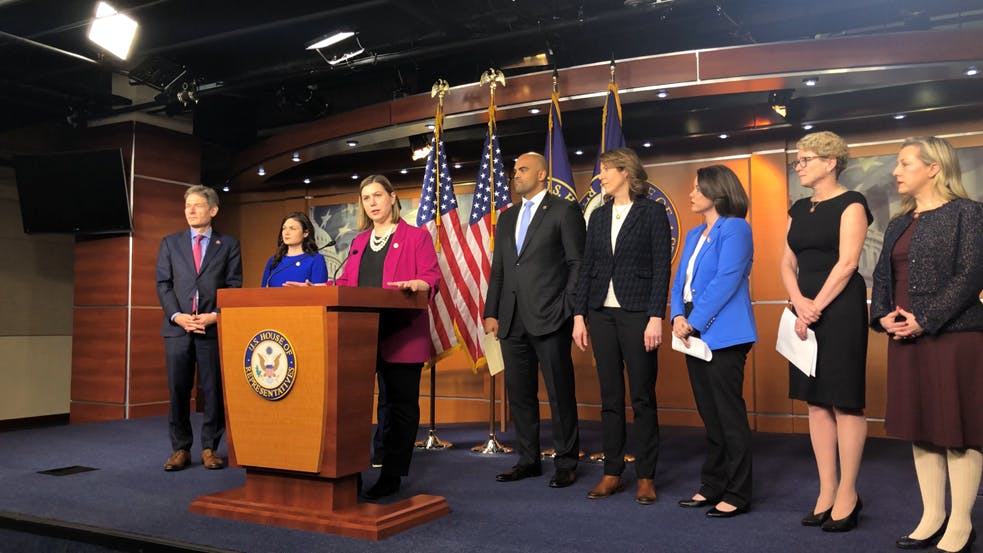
[(118, 368), (463, 396)]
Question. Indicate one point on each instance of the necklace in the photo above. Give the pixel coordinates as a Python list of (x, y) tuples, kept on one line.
[(917, 212), (814, 203), (379, 242), (620, 214)]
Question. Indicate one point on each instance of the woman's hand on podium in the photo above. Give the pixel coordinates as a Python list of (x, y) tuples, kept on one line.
[(415, 285)]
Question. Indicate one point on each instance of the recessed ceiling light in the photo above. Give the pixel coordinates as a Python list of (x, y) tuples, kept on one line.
[(972, 71), (430, 126), (307, 180), (662, 93), (723, 135), (807, 126), (355, 177), (296, 157), (646, 144), (457, 165), (810, 81), (534, 111), (403, 171), (261, 171), (899, 116), (352, 143), (579, 152), (225, 189)]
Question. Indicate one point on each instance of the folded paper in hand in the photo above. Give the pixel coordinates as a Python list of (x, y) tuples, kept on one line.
[(493, 354), (801, 353), (697, 348)]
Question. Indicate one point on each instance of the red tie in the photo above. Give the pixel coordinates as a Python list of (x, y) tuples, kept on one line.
[(196, 250)]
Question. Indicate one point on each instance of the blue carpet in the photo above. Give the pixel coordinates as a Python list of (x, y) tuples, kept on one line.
[(130, 493)]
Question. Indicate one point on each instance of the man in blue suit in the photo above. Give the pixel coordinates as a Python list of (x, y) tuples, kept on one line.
[(191, 266)]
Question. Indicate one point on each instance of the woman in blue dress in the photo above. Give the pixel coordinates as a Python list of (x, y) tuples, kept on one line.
[(297, 261)]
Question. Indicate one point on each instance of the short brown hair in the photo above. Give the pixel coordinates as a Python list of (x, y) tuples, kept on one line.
[(625, 159), (209, 194), (827, 144), (720, 185)]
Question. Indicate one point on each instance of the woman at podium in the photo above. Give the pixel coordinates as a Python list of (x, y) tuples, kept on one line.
[(297, 261), (389, 253)]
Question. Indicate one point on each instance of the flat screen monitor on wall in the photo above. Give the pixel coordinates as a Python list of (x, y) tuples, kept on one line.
[(73, 192)]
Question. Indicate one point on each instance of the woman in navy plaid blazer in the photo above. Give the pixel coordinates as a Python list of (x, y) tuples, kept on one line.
[(621, 292)]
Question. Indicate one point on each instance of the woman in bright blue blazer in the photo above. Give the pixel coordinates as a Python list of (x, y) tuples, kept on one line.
[(711, 301)]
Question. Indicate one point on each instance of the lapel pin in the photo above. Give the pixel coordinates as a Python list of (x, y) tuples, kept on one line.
[(395, 245), (218, 242)]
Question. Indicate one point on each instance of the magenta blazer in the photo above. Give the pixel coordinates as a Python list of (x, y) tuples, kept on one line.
[(411, 255)]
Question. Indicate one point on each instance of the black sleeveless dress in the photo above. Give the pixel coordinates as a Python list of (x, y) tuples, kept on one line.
[(841, 332)]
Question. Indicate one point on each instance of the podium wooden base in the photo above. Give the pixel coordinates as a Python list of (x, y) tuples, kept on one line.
[(318, 504)]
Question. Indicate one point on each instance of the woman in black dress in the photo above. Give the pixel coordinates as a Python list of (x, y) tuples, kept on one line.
[(926, 297), (819, 270)]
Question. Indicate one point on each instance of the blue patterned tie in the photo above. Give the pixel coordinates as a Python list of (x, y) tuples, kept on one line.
[(523, 225)]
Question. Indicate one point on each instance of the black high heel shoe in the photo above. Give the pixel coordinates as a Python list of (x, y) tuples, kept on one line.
[(965, 548), (906, 542), (844, 524), (816, 519)]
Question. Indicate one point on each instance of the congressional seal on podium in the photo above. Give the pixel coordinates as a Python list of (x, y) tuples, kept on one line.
[(270, 365)]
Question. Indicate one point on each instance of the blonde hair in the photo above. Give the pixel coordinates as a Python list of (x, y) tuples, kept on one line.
[(947, 183), (625, 159), (826, 144), (364, 223)]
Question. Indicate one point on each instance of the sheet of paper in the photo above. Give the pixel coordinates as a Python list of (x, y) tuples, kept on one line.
[(801, 353), (493, 354), (697, 348)]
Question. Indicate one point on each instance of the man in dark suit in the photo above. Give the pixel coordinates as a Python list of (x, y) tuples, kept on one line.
[(191, 267), (529, 307)]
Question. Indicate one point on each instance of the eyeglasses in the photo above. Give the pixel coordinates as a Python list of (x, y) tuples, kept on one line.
[(802, 162)]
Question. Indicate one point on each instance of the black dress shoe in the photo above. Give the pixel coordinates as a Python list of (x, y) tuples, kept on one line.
[(386, 485), (906, 542), (697, 503), (844, 524), (563, 478), (965, 548), (816, 519), (519, 472), (717, 513)]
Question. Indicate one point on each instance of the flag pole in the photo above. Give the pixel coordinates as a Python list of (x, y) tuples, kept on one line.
[(492, 78), (433, 442)]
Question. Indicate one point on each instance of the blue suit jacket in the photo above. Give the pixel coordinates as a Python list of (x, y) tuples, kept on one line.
[(721, 300), (177, 279)]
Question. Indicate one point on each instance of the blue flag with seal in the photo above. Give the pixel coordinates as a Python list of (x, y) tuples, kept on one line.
[(611, 138), (560, 176)]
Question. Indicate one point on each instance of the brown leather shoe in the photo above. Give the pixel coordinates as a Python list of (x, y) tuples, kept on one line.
[(210, 460), (178, 460), (646, 491), (609, 485)]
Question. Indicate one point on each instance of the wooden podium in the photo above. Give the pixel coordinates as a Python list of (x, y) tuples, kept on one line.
[(304, 439)]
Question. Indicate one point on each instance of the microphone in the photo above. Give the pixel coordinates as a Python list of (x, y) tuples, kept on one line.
[(328, 245), (334, 277)]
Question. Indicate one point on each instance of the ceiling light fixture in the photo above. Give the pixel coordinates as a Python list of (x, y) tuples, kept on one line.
[(810, 81), (899, 116), (403, 171), (225, 189), (307, 180), (646, 144), (579, 152), (662, 93), (430, 126), (296, 157), (352, 143), (723, 136), (457, 165), (338, 50), (779, 101), (261, 172), (355, 176), (807, 126), (972, 71), (113, 31), (329, 39), (534, 111)]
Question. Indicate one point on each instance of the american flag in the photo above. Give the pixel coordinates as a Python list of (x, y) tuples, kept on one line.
[(490, 188), (457, 297)]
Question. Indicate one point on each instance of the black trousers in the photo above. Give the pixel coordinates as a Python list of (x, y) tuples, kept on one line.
[(718, 386), (183, 353), (618, 341), (524, 354), (382, 416), (402, 388)]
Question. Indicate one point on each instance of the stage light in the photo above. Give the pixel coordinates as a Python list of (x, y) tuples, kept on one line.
[(419, 146), (329, 39), (113, 31), (810, 81), (971, 71), (296, 157), (663, 93), (261, 172), (352, 143), (779, 101)]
